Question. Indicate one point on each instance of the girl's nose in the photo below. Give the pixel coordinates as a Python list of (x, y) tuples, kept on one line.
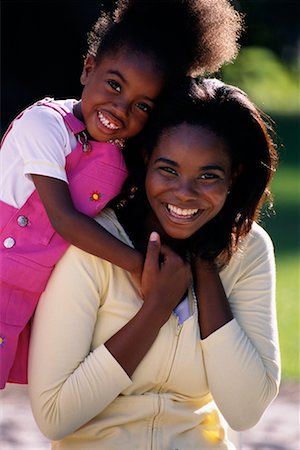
[(122, 108)]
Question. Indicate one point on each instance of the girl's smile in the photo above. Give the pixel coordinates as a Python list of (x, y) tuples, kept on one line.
[(119, 93), (188, 177), (108, 122)]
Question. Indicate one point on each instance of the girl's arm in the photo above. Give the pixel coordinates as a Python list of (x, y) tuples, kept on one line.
[(81, 230), (241, 356)]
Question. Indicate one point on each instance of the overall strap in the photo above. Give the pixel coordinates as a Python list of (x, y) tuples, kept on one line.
[(11, 123), (75, 125)]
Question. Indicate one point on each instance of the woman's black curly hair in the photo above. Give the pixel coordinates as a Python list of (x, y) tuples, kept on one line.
[(247, 136), (184, 36)]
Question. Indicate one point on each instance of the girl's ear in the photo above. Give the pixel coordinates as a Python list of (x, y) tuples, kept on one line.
[(145, 157), (88, 67)]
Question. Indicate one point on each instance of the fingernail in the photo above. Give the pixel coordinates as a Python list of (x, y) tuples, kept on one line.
[(153, 236)]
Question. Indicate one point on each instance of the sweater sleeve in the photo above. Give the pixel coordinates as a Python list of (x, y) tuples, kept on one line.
[(70, 382), (242, 358)]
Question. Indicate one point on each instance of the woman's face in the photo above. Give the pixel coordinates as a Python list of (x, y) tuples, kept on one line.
[(187, 181)]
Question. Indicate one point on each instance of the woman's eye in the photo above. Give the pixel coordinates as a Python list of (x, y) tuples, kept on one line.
[(144, 107), (208, 176), (115, 85)]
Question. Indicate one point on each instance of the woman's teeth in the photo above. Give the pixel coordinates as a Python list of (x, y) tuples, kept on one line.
[(179, 212), (106, 122)]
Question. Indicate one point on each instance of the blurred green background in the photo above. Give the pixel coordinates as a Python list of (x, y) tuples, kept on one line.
[(268, 69), (42, 47)]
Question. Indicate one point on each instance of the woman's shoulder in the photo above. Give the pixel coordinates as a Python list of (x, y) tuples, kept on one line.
[(255, 248), (255, 245), (254, 257), (258, 238), (108, 219)]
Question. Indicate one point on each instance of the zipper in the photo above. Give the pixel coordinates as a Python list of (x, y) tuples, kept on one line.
[(178, 330), (179, 327), (152, 446)]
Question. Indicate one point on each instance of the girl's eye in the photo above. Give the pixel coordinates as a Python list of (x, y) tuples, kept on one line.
[(144, 107), (115, 85), (168, 170)]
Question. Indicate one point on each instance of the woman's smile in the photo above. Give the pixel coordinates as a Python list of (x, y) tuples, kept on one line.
[(182, 213)]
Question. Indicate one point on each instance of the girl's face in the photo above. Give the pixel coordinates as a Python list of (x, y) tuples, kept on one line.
[(118, 95), (187, 181)]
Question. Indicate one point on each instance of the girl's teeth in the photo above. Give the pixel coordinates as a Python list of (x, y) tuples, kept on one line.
[(182, 212), (107, 123)]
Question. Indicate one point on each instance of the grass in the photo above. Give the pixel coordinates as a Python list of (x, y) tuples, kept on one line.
[(284, 229), (288, 271)]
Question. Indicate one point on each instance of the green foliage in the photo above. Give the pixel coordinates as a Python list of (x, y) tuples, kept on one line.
[(269, 83)]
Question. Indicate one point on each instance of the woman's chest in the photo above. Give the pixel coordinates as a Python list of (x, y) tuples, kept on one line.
[(174, 364)]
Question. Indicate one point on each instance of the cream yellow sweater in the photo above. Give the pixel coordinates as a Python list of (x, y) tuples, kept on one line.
[(183, 388)]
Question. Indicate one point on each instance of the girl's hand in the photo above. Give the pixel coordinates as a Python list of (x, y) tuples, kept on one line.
[(165, 277)]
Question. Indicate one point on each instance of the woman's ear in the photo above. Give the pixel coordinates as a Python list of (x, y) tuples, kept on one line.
[(88, 68), (235, 175)]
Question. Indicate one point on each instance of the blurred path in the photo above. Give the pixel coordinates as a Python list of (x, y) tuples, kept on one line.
[(277, 430)]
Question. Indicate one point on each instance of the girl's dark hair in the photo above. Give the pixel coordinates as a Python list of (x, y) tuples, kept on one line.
[(246, 133), (184, 36)]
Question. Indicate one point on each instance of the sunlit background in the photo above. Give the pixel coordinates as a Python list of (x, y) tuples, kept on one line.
[(42, 48), (43, 44)]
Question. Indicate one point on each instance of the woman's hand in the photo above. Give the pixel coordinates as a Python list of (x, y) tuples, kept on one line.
[(165, 277)]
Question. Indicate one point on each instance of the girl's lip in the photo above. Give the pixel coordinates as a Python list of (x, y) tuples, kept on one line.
[(109, 123)]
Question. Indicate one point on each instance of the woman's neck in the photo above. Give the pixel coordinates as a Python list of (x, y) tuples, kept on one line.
[(139, 231)]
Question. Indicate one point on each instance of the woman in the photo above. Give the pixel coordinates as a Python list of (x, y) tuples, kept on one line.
[(109, 369)]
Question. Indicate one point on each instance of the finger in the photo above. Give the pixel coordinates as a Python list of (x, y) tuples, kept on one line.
[(169, 255), (153, 250)]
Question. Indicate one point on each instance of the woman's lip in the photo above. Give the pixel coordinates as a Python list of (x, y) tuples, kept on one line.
[(179, 213)]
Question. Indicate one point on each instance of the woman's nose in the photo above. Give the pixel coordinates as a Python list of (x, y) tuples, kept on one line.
[(186, 190)]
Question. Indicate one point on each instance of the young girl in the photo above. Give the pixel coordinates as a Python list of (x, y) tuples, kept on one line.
[(62, 162), (169, 370)]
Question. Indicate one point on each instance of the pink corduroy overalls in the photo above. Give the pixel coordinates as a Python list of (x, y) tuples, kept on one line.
[(30, 247)]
